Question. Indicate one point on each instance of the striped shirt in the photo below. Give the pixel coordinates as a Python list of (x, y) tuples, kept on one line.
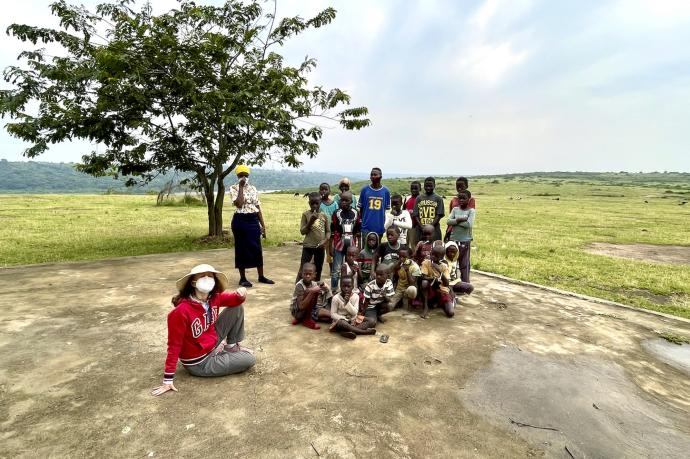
[(376, 294)]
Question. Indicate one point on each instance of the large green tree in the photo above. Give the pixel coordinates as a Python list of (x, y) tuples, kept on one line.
[(196, 89)]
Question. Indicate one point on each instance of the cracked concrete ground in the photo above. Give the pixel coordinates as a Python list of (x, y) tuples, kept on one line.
[(518, 372)]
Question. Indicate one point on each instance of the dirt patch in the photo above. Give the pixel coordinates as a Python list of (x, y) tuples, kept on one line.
[(82, 344), (672, 254)]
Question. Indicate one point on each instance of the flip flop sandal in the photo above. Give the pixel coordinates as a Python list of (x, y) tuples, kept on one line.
[(384, 338)]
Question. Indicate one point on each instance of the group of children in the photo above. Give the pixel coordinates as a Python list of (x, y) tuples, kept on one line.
[(414, 266)]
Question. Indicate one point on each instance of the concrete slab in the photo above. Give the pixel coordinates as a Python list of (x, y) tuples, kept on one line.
[(83, 344)]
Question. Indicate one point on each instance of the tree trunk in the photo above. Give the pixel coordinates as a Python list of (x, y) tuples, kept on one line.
[(218, 208), (211, 210)]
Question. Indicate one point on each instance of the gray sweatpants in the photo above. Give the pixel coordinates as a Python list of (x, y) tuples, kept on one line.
[(229, 326)]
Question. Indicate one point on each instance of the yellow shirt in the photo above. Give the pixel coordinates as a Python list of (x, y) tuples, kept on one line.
[(429, 271)]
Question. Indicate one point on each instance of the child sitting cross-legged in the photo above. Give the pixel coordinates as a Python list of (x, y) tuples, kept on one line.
[(310, 299), (345, 312), (377, 295), (435, 282)]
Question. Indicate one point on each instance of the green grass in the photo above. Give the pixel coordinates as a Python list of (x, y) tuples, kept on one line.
[(535, 238), (675, 339)]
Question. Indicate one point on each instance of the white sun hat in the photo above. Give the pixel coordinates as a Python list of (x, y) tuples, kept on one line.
[(221, 278)]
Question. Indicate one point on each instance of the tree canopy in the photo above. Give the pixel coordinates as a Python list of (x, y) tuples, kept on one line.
[(197, 89)]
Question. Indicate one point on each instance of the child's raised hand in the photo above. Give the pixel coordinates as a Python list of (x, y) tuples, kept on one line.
[(242, 292)]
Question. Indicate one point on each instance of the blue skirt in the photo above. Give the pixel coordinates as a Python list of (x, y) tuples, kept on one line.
[(247, 233)]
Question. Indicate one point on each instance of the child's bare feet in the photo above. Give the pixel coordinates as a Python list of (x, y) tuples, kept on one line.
[(309, 323), (369, 331), (348, 335)]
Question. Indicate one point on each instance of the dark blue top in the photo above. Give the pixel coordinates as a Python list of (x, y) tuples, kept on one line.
[(373, 205)]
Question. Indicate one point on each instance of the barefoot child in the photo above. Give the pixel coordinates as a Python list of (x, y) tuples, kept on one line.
[(345, 313), (435, 282), (315, 227), (399, 218), (345, 228), (310, 299), (205, 341), (377, 296), (461, 220), (407, 273)]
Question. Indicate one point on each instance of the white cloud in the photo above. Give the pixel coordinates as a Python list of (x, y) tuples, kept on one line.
[(488, 64)]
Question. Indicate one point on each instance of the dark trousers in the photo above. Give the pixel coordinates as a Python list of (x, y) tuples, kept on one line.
[(318, 254), (464, 260)]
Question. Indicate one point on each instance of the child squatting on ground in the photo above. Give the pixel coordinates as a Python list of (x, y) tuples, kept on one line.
[(205, 342), (435, 283), (310, 299), (378, 294)]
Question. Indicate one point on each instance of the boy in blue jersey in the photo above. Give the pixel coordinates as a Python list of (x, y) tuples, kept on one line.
[(374, 201)]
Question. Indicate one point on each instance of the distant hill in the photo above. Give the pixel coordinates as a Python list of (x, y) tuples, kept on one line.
[(678, 181), (44, 177)]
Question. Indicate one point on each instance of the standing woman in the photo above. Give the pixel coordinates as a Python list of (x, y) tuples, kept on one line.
[(247, 227)]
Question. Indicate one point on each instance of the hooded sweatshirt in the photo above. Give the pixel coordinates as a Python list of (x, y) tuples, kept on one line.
[(366, 258), (454, 272)]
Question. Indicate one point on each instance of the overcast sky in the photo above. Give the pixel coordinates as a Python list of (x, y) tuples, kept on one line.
[(483, 86)]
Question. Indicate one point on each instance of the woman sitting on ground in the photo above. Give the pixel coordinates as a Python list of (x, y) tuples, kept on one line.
[(206, 343)]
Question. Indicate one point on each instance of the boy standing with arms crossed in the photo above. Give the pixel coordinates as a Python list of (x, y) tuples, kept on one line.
[(461, 220)]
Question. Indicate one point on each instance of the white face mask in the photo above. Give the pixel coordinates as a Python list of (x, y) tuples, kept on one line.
[(205, 284)]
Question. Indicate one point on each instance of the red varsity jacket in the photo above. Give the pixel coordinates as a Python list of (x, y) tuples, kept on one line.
[(190, 337)]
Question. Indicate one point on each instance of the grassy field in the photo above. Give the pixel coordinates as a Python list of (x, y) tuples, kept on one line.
[(530, 228)]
